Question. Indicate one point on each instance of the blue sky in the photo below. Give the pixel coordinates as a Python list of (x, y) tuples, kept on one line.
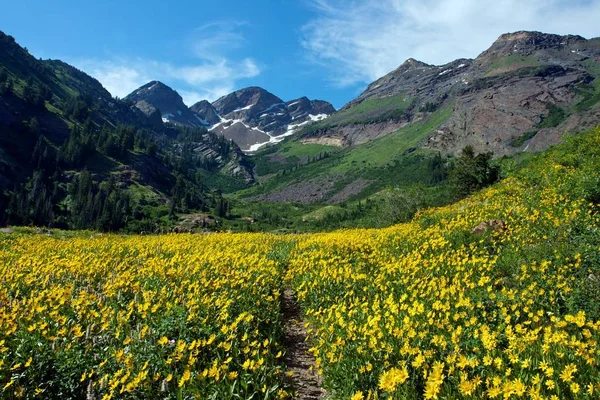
[(325, 49)]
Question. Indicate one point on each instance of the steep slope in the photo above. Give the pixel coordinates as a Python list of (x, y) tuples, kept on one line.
[(47, 97), (156, 96), (207, 114), (494, 278), (57, 123), (522, 93), (252, 117)]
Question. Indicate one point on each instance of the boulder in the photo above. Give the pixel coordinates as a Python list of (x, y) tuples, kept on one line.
[(493, 224)]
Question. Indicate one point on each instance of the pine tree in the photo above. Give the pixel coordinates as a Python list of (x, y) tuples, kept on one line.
[(223, 208), (437, 169), (34, 127), (473, 172)]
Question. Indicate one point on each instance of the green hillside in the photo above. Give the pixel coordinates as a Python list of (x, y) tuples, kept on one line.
[(495, 295), (72, 156)]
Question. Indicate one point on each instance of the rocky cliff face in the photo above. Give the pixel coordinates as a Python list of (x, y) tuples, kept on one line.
[(523, 93), (206, 113), (252, 117), (156, 96), (302, 108)]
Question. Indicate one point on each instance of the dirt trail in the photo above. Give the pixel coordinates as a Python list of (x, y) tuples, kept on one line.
[(305, 380)]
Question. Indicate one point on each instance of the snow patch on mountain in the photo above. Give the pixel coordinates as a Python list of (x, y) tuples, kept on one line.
[(318, 117), (291, 129), (243, 108), (202, 121), (272, 107), (167, 117)]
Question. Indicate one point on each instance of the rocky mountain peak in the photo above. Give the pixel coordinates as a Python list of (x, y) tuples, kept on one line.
[(206, 113), (251, 98), (522, 93), (322, 107), (156, 90), (520, 35), (415, 63), (528, 42), (411, 64), (253, 117), (303, 109), (158, 95), (201, 104), (410, 76), (161, 97)]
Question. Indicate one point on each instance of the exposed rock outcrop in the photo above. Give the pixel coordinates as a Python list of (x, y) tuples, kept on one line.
[(160, 97), (522, 94), (252, 117)]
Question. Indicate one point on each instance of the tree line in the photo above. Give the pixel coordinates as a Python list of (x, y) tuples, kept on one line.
[(61, 192)]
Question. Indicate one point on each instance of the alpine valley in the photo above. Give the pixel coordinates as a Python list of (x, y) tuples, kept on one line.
[(436, 237), (73, 156)]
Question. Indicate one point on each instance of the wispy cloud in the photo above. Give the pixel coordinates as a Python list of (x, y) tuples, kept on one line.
[(358, 41), (218, 38), (214, 72)]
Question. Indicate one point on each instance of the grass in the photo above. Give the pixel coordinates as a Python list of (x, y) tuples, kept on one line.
[(592, 66), (380, 209), (520, 141), (288, 155), (554, 118), (590, 96), (369, 111), (300, 150), (139, 191), (277, 217), (498, 65), (387, 160), (378, 153), (321, 213), (225, 183), (374, 207)]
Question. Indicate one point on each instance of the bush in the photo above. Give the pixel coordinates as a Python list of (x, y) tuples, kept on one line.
[(473, 172), (400, 205)]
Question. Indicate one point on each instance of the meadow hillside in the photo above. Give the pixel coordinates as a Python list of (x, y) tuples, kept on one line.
[(429, 309)]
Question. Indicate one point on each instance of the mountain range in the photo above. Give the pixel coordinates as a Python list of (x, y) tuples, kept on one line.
[(523, 94), (62, 130), (499, 100), (251, 117)]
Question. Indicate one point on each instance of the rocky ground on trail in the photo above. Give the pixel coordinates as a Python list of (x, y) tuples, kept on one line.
[(304, 379)]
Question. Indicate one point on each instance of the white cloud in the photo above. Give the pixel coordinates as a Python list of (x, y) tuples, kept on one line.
[(191, 98), (218, 38), (209, 93), (358, 41), (216, 71), (118, 79), (214, 74)]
